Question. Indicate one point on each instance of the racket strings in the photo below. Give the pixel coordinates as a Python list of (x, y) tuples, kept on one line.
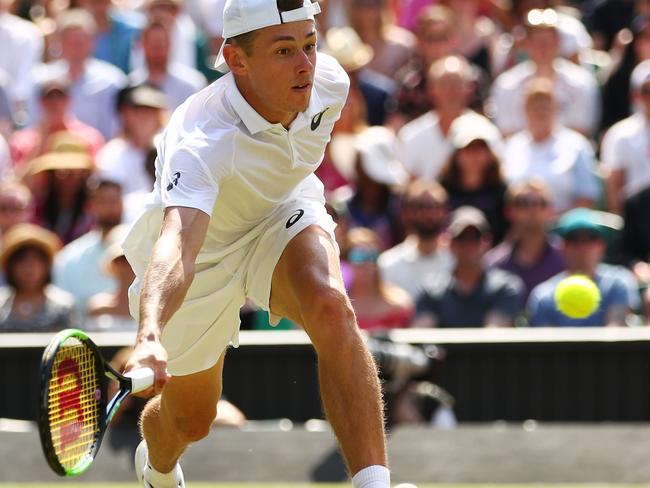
[(74, 403)]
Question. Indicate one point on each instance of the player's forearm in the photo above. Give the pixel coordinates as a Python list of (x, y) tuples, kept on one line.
[(166, 282)]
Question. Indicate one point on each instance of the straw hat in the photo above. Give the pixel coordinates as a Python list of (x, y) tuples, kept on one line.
[(23, 235), (67, 152)]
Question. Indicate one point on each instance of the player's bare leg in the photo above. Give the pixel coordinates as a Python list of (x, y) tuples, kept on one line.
[(307, 288), (170, 422)]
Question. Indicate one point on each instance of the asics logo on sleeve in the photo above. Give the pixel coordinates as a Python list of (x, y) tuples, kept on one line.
[(315, 121), (174, 181), (295, 217)]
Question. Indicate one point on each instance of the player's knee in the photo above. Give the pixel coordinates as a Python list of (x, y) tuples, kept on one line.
[(194, 427), (329, 316)]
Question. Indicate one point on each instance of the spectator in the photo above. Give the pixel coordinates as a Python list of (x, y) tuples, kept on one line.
[(625, 146), (124, 159), (6, 107), (425, 140), (584, 247), (94, 83), (436, 38), (114, 36), (22, 49), (616, 91), (371, 202), (377, 304), (560, 157), (56, 116), (61, 193), (606, 18), (16, 205), (392, 45), (29, 302), (424, 253), (77, 268), (529, 252), (109, 310), (635, 239), (576, 90), (175, 80), (471, 295), (344, 44), (472, 176)]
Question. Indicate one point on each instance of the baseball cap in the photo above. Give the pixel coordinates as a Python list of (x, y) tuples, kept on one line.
[(242, 16), (142, 96), (580, 219), (464, 217), (471, 127), (376, 146)]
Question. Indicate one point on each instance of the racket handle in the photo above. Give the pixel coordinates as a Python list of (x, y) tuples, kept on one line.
[(141, 379)]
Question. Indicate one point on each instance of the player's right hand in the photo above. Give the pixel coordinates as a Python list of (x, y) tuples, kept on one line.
[(150, 354)]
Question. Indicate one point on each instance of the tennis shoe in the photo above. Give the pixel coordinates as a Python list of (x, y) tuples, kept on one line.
[(142, 466)]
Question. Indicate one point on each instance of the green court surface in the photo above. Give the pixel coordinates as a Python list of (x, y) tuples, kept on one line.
[(302, 485)]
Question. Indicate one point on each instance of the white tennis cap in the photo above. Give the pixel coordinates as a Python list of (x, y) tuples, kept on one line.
[(242, 16)]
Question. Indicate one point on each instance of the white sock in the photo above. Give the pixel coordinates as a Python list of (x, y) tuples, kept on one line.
[(162, 480), (376, 476)]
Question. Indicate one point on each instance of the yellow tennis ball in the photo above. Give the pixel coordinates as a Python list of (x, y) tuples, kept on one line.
[(577, 296)]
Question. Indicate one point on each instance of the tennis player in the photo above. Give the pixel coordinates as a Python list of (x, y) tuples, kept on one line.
[(236, 212)]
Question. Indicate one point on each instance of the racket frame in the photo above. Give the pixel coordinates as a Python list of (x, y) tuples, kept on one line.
[(107, 408)]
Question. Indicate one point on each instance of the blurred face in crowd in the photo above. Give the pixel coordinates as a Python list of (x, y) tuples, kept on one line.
[(14, 207), (98, 8), (366, 15), (530, 211), (55, 105), (642, 44), (425, 214), (156, 45), (540, 114), (435, 41), (29, 269), (362, 256), (70, 181), (470, 246), (543, 45), (583, 251), (474, 158), (106, 207), (644, 98), (450, 89), (141, 124), (76, 45), (164, 12)]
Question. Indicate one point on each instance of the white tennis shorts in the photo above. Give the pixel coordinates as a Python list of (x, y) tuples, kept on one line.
[(208, 320)]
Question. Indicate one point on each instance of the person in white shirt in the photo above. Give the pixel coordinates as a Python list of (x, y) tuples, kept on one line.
[(177, 81), (425, 252), (576, 90), (93, 83), (22, 50), (561, 158), (425, 143), (236, 212), (625, 149)]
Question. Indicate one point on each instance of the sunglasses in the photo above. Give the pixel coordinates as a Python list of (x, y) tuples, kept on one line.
[(580, 237), (529, 202), (468, 236), (358, 255)]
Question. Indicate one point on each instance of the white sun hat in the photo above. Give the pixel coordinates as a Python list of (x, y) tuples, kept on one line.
[(242, 16)]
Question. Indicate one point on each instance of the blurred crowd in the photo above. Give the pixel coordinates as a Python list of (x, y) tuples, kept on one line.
[(487, 149)]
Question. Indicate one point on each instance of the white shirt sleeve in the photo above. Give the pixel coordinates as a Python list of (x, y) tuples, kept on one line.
[(187, 182), (613, 150)]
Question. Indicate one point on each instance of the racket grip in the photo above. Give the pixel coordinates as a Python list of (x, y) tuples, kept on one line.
[(141, 379)]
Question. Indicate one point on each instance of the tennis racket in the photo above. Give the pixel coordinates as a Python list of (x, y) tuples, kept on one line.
[(74, 409)]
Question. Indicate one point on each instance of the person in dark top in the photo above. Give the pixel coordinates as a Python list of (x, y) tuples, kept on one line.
[(471, 295), (472, 175), (529, 252)]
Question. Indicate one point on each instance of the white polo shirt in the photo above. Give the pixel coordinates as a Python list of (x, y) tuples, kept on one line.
[(576, 93), (220, 156), (424, 149), (626, 146)]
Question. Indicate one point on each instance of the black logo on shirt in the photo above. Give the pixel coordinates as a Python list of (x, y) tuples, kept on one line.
[(295, 217), (315, 121), (174, 181)]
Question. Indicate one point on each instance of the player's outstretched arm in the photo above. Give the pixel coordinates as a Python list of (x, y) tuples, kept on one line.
[(166, 281)]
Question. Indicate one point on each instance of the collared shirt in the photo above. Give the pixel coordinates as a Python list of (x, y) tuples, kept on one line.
[(576, 92), (565, 161), (220, 156), (626, 146), (423, 146), (617, 287), (404, 265)]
